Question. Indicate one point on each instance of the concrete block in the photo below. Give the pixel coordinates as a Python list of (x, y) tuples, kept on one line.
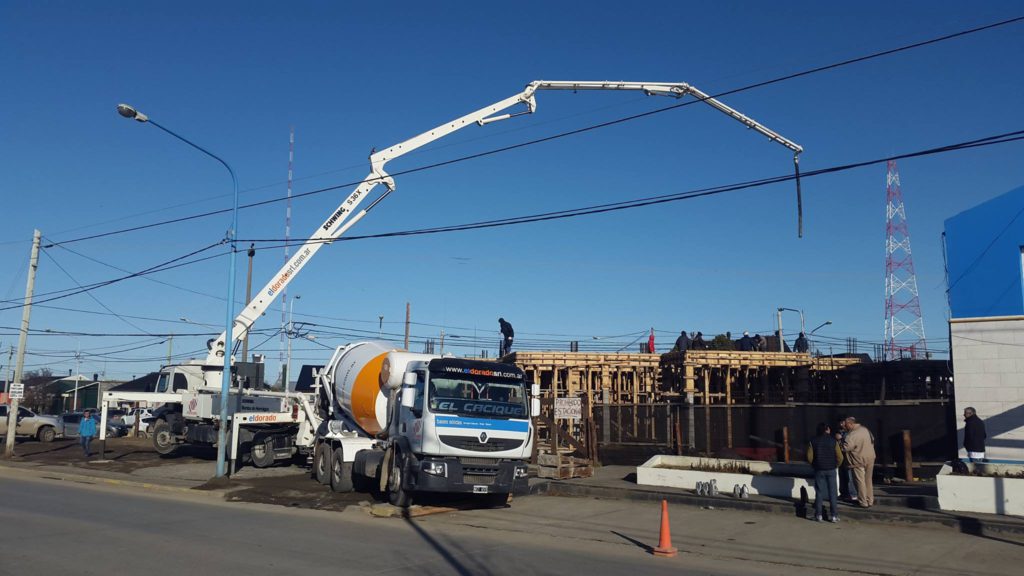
[(1010, 352), (1013, 379), (999, 366), (967, 366), (1008, 395), (986, 352)]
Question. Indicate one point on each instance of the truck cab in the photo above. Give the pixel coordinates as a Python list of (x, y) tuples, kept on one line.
[(462, 426)]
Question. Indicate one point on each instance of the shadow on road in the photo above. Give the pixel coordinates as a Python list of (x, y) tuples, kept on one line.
[(646, 547), (450, 558)]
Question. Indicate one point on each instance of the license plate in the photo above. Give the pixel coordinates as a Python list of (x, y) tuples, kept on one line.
[(478, 489)]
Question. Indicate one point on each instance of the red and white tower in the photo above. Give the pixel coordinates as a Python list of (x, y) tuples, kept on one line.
[(904, 327)]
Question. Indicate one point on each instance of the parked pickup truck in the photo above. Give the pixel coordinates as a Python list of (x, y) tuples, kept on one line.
[(44, 428)]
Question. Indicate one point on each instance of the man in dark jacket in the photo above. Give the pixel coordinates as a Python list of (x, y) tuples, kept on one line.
[(698, 342), (974, 436), (746, 343), (801, 344), (683, 342), (506, 337), (824, 454)]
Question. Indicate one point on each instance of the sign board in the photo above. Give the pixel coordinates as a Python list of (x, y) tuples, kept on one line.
[(17, 391), (569, 408)]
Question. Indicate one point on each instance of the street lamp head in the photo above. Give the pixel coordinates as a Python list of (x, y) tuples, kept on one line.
[(129, 112)]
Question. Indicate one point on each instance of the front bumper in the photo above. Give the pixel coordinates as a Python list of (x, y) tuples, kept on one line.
[(467, 476)]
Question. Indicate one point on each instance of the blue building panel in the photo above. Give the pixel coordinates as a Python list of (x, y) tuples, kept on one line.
[(983, 252)]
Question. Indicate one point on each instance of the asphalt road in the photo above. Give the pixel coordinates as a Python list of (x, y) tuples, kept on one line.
[(52, 527)]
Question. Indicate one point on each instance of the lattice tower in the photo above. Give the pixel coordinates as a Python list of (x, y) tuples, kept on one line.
[(287, 236), (904, 327)]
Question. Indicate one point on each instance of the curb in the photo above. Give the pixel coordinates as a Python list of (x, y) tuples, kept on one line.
[(965, 524), (51, 474)]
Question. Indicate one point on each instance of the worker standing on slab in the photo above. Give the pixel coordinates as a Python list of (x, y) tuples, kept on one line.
[(746, 342), (698, 342), (507, 334), (801, 344), (683, 342)]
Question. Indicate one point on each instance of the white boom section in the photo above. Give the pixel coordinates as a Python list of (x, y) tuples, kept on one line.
[(676, 90), (336, 224)]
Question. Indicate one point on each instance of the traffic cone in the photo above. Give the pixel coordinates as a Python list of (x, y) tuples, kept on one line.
[(664, 547)]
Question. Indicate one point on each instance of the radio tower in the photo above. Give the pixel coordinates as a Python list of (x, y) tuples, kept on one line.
[(904, 327), (287, 236)]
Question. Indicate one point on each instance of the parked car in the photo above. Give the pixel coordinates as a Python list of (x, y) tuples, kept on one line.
[(141, 414), (44, 428), (72, 420)]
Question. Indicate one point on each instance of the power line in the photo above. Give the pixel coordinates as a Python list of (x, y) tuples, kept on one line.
[(167, 265), (89, 294), (1003, 138), (585, 129), (154, 280), (675, 197)]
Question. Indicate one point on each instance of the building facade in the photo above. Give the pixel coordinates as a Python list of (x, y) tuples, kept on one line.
[(985, 263)]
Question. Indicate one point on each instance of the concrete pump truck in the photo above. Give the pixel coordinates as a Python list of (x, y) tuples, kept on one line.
[(378, 415)]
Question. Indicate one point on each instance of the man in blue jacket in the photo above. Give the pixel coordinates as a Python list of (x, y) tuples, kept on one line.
[(86, 431)]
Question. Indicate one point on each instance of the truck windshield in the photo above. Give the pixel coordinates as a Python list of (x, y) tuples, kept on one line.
[(472, 396)]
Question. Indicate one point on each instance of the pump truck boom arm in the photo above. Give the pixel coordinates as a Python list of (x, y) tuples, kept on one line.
[(342, 218)]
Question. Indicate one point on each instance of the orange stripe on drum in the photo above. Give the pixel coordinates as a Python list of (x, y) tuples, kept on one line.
[(364, 394)]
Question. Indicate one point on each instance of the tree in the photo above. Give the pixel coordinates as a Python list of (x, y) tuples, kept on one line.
[(722, 342)]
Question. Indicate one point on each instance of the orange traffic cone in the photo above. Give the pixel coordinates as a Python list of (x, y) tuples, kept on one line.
[(664, 547)]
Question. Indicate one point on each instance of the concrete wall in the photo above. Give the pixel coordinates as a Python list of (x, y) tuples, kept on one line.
[(988, 367)]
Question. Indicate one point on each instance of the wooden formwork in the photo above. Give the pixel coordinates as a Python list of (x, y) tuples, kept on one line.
[(627, 378), (730, 376), (712, 376)]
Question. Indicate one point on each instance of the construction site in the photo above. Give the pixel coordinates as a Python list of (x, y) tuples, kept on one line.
[(727, 403)]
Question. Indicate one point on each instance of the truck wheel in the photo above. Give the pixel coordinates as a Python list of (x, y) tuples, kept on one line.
[(46, 434), (262, 451), (397, 494), (163, 438), (341, 472), (322, 463)]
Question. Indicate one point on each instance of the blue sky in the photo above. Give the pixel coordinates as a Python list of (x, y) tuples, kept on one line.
[(234, 76)]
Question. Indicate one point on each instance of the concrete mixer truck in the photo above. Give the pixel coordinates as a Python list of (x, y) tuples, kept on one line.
[(411, 423)]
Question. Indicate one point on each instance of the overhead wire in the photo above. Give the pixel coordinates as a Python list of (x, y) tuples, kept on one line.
[(748, 87), (90, 294)]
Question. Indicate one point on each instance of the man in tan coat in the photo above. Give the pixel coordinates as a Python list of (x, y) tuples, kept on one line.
[(859, 448)]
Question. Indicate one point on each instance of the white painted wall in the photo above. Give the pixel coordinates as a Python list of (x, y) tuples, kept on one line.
[(988, 374)]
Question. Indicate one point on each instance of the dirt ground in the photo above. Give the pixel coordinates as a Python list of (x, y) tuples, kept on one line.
[(285, 484)]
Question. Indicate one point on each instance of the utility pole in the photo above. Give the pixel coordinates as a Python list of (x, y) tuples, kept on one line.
[(442, 342), (248, 298), (781, 345), (26, 313), (170, 350), (10, 369), (407, 316), (78, 359)]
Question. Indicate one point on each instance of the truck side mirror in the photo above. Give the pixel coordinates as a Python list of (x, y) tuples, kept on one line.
[(534, 406), (409, 396), (534, 389)]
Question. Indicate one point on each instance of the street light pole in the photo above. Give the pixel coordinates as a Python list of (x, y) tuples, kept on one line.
[(802, 327), (232, 234)]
